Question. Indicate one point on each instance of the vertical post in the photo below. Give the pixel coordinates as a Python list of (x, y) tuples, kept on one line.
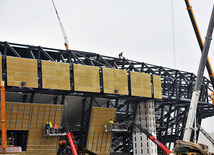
[(3, 119)]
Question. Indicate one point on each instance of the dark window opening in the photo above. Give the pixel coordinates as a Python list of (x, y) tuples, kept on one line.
[(16, 138)]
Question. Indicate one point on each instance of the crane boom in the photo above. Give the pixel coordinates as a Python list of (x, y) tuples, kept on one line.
[(63, 30), (200, 41), (197, 87), (152, 138)]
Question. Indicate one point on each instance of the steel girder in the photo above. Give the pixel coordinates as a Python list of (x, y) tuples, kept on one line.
[(177, 86)]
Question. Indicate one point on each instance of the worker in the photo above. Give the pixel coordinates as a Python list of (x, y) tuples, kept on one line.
[(51, 127), (62, 147), (111, 121), (121, 55), (62, 143), (47, 128), (55, 128)]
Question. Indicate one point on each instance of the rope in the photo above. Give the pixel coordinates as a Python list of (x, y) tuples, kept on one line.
[(185, 147)]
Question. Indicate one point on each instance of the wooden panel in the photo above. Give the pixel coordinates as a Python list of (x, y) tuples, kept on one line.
[(157, 87), (114, 79), (98, 140), (140, 84), (22, 70), (55, 75), (86, 78)]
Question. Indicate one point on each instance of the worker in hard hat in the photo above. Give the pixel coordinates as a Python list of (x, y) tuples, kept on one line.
[(51, 127), (111, 121), (120, 55), (55, 128), (47, 126)]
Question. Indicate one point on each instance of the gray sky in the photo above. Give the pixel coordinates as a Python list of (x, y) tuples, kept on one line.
[(141, 29)]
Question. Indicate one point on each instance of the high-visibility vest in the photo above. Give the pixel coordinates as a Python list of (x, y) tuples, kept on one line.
[(111, 121), (51, 126), (55, 126)]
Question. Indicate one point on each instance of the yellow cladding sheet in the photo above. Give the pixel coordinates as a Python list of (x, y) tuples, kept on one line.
[(140, 84), (99, 141), (86, 78), (157, 87), (33, 118), (114, 79), (22, 70), (55, 75)]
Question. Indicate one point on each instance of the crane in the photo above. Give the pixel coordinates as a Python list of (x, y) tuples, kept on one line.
[(152, 138), (200, 41), (201, 44), (197, 87), (62, 28)]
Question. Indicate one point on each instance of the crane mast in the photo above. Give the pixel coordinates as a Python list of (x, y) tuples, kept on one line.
[(197, 87), (62, 28), (200, 41)]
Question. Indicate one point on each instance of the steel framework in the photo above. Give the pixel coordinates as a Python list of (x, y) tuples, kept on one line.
[(171, 111)]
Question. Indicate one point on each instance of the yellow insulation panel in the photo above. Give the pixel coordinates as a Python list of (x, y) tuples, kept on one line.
[(140, 84), (55, 75), (115, 79), (98, 140), (157, 87), (33, 117), (22, 70), (86, 78)]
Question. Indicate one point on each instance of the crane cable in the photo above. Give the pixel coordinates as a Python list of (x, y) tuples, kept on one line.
[(173, 33), (63, 30)]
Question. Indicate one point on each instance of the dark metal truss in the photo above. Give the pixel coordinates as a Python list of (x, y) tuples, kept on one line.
[(177, 87)]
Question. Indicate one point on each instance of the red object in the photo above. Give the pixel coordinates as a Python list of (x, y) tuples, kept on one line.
[(55, 125), (116, 123), (160, 144), (73, 149)]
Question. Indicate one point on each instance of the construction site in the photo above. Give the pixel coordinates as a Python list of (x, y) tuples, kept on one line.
[(63, 101)]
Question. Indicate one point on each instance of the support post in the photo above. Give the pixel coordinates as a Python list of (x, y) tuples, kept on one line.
[(3, 119)]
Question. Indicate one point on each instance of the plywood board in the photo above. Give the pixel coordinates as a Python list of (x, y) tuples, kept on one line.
[(115, 79), (140, 84), (55, 75), (22, 70), (86, 78), (98, 140), (157, 87)]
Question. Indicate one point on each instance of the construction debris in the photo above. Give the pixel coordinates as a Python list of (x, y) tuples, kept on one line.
[(184, 147)]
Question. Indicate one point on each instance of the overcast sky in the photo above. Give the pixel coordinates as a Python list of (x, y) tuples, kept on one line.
[(158, 32)]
